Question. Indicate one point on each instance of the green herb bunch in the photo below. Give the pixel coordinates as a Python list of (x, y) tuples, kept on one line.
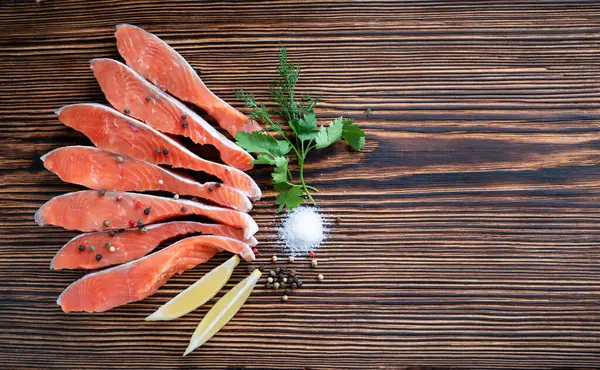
[(305, 133)]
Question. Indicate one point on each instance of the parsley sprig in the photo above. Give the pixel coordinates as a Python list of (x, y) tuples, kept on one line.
[(305, 135)]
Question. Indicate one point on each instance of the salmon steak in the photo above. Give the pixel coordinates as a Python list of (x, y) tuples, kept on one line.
[(128, 91), (115, 132), (130, 244), (89, 210), (100, 170), (160, 64), (134, 281)]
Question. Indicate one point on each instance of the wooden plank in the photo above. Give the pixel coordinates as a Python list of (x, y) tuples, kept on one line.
[(469, 225)]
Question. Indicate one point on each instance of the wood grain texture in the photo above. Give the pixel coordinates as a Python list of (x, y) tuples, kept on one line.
[(470, 224)]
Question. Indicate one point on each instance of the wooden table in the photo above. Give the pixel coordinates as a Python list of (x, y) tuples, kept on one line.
[(469, 225)]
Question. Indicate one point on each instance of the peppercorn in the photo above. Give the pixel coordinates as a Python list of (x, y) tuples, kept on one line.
[(112, 249), (255, 250), (165, 151), (294, 285), (276, 285), (284, 280), (218, 184), (268, 285), (157, 150), (81, 248), (119, 198), (143, 229), (299, 284), (160, 182), (291, 259), (270, 279), (272, 273), (312, 254), (98, 257), (147, 98), (288, 291), (249, 269), (121, 230), (274, 259), (131, 223), (112, 233), (261, 267), (107, 245), (140, 223), (277, 270), (183, 116), (284, 298), (101, 192), (292, 272), (126, 111), (176, 196), (210, 188), (147, 211), (120, 159), (320, 277), (92, 248), (106, 223), (313, 263), (183, 209), (184, 124)]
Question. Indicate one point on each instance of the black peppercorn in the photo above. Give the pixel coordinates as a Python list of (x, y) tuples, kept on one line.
[(165, 151), (81, 248), (147, 211), (98, 257)]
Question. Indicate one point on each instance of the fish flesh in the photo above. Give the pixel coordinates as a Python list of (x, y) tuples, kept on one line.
[(89, 210), (160, 64), (100, 170), (115, 132), (133, 281), (131, 244), (126, 90)]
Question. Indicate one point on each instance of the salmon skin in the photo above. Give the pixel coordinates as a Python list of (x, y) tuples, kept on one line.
[(115, 132), (100, 170), (127, 90), (90, 210), (131, 244), (100, 291), (160, 64)]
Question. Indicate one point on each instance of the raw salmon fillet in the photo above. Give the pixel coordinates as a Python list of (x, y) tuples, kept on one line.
[(100, 170), (132, 244), (136, 280), (117, 133), (163, 66), (89, 210), (127, 90)]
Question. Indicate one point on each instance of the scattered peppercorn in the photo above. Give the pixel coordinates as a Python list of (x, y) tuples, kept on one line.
[(92, 248), (106, 223), (98, 257), (107, 245), (314, 263), (147, 211), (261, 267), (274, 258), (126, 111), (176, 196), (288, 291), (121, 230), (218, 184), (292, 272), (183, 116), (294, 285), (184, 124), (81, 248), (183, 209), (147, 98), (320, 277), (160, 182), (312, 254), (268, 285), (157, 150), (101, 192), (119, 198), (272, 273), (255, 250), (270, 279), (284, 298), (276, 285), (291, 259), (284, 280), (165, 151), (249, 269), (143, 229), (120, 159), (131, 223), (112, 233), (299, 284), (112, 249), (277, 270), (210, 188), (140, 223)]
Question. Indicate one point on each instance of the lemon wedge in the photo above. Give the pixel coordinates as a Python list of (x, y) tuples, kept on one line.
[(196, 294), (223, 311)]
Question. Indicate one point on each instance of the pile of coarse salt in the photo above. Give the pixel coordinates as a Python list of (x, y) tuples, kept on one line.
[(302, 230)]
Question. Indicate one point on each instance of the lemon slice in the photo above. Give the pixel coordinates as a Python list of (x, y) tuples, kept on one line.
[(196, 294), (223, 311)]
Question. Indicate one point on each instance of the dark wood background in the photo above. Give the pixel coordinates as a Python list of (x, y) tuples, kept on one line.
[(469, 226)]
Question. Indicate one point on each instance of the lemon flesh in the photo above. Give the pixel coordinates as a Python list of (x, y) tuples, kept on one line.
[(196, 294), (223, 311)]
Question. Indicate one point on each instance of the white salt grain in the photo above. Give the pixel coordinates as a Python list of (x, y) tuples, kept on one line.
[(302, 230)]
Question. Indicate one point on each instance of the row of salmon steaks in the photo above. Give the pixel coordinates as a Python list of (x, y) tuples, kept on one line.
[(132, 140)]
